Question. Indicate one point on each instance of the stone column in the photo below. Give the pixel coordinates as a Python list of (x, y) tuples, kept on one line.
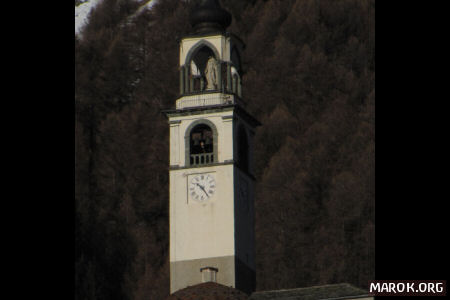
[(181, 80), (228, 77)]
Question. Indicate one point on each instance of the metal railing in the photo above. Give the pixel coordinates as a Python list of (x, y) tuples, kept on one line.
[(205, 100), (202, 159)]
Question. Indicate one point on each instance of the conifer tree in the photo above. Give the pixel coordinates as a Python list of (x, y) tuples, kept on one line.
[(309, 78)]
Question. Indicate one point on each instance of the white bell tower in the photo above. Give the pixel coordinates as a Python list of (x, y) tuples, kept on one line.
[(211, 153)]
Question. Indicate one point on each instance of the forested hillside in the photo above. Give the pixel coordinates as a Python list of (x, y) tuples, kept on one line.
[(309, 78)]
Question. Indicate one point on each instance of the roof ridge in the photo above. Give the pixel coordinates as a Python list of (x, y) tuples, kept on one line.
[(309, 287)]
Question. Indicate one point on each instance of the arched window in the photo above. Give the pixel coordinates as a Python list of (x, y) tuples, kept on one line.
[(201, 143), (236, 71), (243, 149), (196, 78), (235, 76)]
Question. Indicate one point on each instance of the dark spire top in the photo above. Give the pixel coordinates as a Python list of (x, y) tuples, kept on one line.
[(208, 16)]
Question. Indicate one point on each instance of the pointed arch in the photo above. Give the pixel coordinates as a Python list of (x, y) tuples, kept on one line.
[(199, 55), (236, 59), (200, 44)]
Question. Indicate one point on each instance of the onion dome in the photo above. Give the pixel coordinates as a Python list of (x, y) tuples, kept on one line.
[(208, 291), (208, 17)]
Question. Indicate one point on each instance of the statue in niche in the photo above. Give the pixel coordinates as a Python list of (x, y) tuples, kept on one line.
[(211, 74)]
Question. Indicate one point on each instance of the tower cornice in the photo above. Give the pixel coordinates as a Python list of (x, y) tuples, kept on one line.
[(212, 109)]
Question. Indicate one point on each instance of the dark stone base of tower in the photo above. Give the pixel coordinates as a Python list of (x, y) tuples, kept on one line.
[(245, 277)]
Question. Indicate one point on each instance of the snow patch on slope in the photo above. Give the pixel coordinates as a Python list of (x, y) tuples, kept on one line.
[(82, 12), (147, 5)]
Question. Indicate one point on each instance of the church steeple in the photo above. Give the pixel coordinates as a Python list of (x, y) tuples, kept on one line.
[(210, 59), (211, 165), (208, 17)]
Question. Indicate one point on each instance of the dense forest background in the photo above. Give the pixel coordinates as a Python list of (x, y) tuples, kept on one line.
[(309, 78)]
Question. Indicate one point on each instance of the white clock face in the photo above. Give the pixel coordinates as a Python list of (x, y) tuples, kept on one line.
[(202, 187)]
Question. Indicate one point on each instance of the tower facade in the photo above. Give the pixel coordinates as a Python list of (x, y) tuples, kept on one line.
[(211, 160)]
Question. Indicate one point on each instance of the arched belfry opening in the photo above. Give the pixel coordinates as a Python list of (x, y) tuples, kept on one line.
[(202, 69), (201, 56), (201, 143), (201, 139), (236, 71)]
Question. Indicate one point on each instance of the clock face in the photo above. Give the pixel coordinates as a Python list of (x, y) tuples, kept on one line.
[(202, 187)]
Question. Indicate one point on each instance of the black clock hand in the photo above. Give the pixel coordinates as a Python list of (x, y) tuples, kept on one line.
[(203, 189)]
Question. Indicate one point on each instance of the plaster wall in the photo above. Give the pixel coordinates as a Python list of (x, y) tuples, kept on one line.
[(201, 230)]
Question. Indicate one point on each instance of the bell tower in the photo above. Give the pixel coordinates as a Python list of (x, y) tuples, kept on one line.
[(211, 160)]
